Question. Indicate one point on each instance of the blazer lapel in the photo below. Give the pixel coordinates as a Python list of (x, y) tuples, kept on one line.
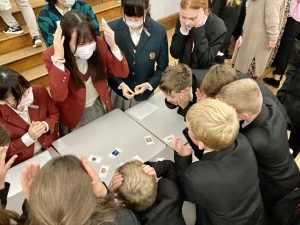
[(126, 39), (12, 117), (145, 35), (33, 112)]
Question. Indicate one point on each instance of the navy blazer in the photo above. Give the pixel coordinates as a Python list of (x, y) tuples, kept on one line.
[(152, 49)]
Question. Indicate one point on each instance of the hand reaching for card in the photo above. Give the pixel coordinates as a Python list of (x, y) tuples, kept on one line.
[(99, 188), (27, 176), (180, 148)]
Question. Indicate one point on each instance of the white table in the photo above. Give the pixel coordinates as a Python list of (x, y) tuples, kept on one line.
[(15, 202), (103, 135), (162, 122)]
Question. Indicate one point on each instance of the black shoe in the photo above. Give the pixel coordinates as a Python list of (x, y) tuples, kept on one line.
[(13, 30), (36, 42), (271, 81)]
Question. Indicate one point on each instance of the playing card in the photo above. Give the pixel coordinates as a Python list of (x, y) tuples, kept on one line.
[(168, 139), (115, 153), (149, 140), (103, 171), (136, 157), (95, 158)]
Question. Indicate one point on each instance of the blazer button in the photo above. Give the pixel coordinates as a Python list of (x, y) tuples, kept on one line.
[(43, 143), (106, 102), (133, 73)]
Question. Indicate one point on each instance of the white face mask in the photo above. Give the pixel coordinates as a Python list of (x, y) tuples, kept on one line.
[(68, 3), (85, 52), (134, 24), (26, 101)]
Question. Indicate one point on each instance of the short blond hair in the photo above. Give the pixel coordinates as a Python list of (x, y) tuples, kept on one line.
[(214, 123), (176, 78), (138, 190), (216, 78), (244, 95)]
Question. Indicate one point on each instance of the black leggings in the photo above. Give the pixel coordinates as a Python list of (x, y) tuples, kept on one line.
[(291, 31)]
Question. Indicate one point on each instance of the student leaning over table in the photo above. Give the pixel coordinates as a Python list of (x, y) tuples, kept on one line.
[(78, 63)]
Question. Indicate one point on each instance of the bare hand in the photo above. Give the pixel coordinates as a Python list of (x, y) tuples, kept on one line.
[(36, 129), (115, 182), (4, 166), (272, 44), (141, 88), (239, 42), (201, 18), (58, 43), (27, 176), (109, 36), (98, 187), (127, 92), (149, 170), (183, 100), (178, 146)]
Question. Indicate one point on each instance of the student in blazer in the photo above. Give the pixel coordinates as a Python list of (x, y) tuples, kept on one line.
[(41, 110), (77, 70), (147, 56)]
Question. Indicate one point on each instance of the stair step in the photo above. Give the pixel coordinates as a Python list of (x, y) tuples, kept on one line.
[(23, 59), (38, 4), (12, 42), (37, 75)]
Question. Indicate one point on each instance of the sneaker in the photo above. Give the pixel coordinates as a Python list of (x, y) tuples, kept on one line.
[(36, 42), (13, 30), (271, 81)]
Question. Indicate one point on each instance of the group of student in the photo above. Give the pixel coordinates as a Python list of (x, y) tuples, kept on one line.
[(245, 173)]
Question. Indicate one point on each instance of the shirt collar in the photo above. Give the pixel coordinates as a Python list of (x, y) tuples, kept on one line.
[(19, 112)]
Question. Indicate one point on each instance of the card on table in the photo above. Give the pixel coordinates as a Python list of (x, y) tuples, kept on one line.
[(115, 153), (94, 158), (103, 171), (169, 138), (149, 140)]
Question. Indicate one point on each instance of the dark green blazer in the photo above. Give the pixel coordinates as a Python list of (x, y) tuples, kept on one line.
[(146, 61)]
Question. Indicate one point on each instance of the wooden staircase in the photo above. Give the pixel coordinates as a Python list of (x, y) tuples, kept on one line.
[(16, 51)]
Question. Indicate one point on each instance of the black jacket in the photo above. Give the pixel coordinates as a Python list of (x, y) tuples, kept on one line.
[(167, 208), (224, 184), (277, 170), (208, 40)]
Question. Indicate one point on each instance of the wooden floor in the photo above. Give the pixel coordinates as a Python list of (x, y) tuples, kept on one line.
[(267, 73)]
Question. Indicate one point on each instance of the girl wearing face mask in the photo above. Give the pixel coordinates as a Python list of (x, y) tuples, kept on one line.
[(144, 43), (51, 14), (27, 113), (78, 64)]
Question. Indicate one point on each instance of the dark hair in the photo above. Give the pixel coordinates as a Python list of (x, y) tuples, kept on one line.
[(12, 82), (10, 217), (52, 1), (135, 8), (74, 21), (4, 136)]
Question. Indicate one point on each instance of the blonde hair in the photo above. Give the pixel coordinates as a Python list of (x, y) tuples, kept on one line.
[(216, 78), (194, 4), (138, 190), (244, 95), (232, 3), (214, 123), (62, 194), (176, 78)]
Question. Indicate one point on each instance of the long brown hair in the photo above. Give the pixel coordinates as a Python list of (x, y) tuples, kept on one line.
[(75, 21), (62, 194), (9, 217)]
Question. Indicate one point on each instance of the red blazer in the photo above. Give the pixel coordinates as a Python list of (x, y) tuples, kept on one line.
[(71, 101), (42, 109)]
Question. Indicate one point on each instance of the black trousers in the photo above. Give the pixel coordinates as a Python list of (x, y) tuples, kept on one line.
[(291, 31)]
